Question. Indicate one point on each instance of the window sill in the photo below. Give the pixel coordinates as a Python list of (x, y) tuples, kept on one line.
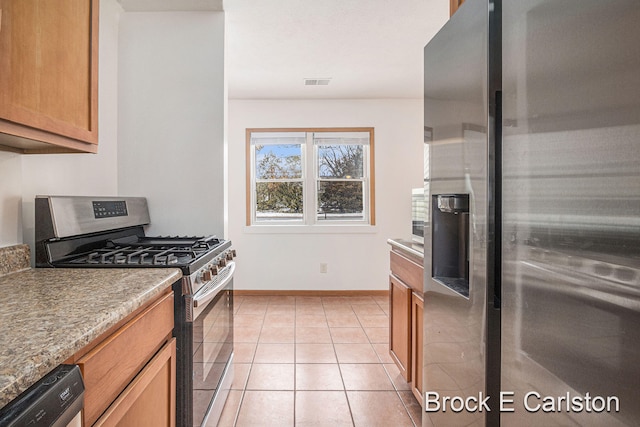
[(310, 229)]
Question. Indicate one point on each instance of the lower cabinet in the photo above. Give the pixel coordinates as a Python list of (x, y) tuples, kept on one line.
[(399, 327), (405, 317), (149, 400), (130, 374), (417, 328)]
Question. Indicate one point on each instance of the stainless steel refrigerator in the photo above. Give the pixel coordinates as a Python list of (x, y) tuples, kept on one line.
[(532, 244)]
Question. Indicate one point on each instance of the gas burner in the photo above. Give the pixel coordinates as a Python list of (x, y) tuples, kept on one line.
[(86, 239), (143, 251), (165, 242)]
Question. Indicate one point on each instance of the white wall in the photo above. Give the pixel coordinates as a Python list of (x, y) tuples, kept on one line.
[(171, 118), (22, 177), (172, 113), (10, 198), (356, 261)]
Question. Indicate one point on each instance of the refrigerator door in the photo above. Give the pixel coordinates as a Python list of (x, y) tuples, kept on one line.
[(456, 113), (571, 194)]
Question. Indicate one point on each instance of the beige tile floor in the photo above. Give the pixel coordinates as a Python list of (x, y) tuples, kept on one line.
[(316, 361)]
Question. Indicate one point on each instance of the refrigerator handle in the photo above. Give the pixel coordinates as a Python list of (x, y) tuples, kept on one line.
[(494, 260), (497, 259)]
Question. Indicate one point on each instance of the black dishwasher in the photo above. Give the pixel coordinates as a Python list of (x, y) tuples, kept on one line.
[(56, 400)]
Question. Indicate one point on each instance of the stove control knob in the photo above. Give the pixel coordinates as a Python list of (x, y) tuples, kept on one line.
[(233, 252), (214, 269), (222, 262), (206, 275), (229, 256)]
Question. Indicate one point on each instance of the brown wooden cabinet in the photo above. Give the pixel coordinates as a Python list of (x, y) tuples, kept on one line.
[(49, 75), (130, 373), (417, 328), (150, 398), (406, 314), (399, 325)]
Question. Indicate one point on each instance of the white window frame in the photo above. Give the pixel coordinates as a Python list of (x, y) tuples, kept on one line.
[(310, 179)]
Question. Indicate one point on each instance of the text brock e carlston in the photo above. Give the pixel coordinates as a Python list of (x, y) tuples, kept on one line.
[(532, 402)]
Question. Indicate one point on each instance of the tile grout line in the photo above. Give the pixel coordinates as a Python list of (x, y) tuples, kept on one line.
[(344, 386), (246, 381), (395, 388), (244, 386), (295, 361)]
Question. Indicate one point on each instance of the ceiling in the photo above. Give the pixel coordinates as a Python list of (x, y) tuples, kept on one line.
[(368, 48)]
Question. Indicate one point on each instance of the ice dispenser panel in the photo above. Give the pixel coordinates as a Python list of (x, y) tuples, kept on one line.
[(450, 240)]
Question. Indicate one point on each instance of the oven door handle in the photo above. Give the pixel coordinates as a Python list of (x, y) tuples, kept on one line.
[(202, 300)]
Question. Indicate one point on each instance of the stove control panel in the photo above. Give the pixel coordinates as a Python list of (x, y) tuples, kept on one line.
[(210, 271), (109, 208)]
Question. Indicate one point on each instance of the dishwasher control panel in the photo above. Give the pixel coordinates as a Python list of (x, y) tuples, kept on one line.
[(54, 400)]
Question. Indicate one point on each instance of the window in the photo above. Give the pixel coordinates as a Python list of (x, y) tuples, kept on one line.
[(310, 176)]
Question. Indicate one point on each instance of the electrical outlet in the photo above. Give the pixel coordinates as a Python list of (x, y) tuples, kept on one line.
[(323, 267)]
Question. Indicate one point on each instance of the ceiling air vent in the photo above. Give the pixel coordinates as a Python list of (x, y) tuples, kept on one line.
[(317, 82)]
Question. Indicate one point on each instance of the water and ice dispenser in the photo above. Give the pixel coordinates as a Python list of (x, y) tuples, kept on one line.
[(450, 240)]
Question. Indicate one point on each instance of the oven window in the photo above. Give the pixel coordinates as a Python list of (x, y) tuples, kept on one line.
[(212, 348)]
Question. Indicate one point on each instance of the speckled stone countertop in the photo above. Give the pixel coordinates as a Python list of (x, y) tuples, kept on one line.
[(48, 314), (14, 258)]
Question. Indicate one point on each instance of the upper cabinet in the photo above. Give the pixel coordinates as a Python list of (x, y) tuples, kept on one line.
[(454, 5), (49, 75)]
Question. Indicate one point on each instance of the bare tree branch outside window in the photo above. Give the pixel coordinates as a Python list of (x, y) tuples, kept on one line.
[(311, 177)]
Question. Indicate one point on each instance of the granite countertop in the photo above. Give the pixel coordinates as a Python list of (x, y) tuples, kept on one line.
[(48, 314), (408, 246)]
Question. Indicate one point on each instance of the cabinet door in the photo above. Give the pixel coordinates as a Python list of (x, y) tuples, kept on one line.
[(111, 365), (400, 326), (150, 399), (49, 71), (417, 309)]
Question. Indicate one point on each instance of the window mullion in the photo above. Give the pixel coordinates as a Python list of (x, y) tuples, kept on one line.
[(280, 180), (365, 187), (252, 196), (341, 191), (309, 175)]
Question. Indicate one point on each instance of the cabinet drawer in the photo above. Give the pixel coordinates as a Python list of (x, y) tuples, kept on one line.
[(108, 368), (407, 271), (150, 398)]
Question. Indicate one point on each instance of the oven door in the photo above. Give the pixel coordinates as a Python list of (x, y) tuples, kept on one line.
[(212, 347)]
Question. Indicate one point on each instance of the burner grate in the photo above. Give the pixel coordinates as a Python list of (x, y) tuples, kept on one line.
[(138, 250), (137, 256)]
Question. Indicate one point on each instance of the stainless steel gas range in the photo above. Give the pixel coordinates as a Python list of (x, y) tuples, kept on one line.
[(108, 232)]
